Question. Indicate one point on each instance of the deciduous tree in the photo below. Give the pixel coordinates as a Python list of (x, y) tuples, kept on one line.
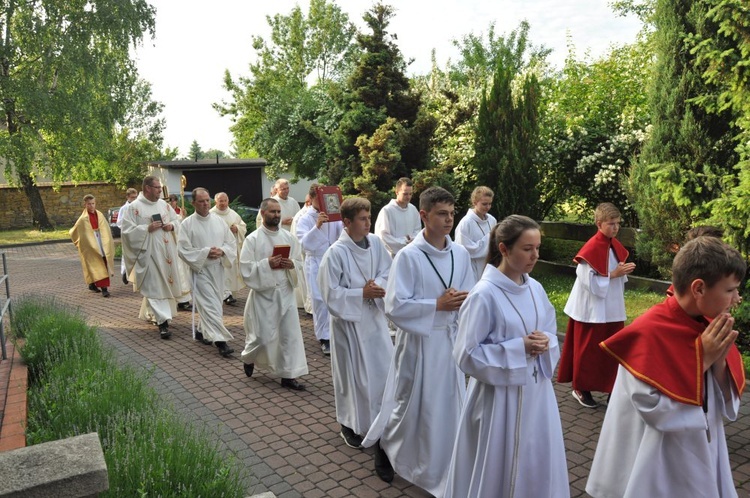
[(66, 78)]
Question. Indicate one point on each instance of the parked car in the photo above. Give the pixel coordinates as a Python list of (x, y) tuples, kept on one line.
[(112, 217)]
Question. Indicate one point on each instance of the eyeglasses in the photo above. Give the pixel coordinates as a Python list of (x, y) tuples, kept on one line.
[(155, 186)]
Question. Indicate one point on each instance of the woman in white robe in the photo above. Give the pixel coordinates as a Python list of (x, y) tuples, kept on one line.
[(473, 231), (509, 442)]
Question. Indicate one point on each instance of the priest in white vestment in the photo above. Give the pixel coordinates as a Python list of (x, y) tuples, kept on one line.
[(510, 440), (289, 206), (208, 247), (149, 247), (398, 221), (424, 392), (352, 279), (317, 234), (273, 337), (232, 277), (473, 231)]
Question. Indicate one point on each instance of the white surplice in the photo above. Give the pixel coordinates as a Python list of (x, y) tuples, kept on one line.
[(273, 337), (315, 242), (186, 277), (510, 440), (120, 216), (361, 347), (232, 277), (198, 234), (425, 389), (394, 223), (300, 292), (652, 445), (473, 233), (151, 257), (597, 298)]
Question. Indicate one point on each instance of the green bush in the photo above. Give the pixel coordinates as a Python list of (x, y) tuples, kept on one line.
[(78, 387), (29, 309)]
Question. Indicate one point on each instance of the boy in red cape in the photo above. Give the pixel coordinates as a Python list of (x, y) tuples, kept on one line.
[(596, 308), (678, 377)]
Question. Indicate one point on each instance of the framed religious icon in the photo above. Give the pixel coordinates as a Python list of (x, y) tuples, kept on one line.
[(329, 200)]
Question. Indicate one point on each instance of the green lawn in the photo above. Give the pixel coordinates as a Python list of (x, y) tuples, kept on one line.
[(29, 235), (558, 289)]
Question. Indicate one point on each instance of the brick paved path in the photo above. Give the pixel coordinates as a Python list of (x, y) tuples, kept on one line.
[(288, 440)]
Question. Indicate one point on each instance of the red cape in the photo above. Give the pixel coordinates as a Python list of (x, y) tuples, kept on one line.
[(663, 348), (595, 252)]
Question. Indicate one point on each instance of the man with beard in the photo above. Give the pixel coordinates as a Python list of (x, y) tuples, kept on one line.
[(269, 262)]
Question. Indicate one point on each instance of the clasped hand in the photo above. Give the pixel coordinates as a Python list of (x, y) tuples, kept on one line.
[(451, 300), (536, 343), (622, 269), (717, 339), (371, 290), (215, 253)]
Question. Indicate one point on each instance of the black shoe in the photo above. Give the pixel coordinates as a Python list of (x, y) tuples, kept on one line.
[(325, 346), (585, 399), (249, 368), (292, 384), (184, 307), (383, 467), (230, 300), (164, 332), (224, 350), (199, 337), (94, 288), (351, 439), (105, 292), (125, 279)]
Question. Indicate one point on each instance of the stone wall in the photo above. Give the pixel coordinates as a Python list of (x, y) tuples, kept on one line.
[(63, 204)]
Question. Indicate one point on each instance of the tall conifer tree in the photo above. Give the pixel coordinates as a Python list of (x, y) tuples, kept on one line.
[(506, 140), (689, 148)]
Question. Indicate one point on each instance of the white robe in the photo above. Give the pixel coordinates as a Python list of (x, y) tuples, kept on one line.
[(473, 233), (151, 258), (273, 337), (232, 277), (300, 292), (198, 235), (597, 298), (120, 216), (315, 242), (651, 445), (425, 389), (510, 440), (186, 278), (394, 223), (361, 347)]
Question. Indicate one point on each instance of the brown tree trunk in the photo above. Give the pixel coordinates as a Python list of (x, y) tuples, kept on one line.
[(38, 213)]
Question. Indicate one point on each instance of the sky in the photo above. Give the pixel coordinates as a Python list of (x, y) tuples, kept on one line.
[(196, 41)]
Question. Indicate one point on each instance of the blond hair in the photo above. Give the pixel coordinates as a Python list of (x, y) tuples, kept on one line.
[(606, 211), (480, 192)]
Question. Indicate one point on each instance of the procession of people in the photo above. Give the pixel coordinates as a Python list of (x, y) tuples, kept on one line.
[(461, 401)]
